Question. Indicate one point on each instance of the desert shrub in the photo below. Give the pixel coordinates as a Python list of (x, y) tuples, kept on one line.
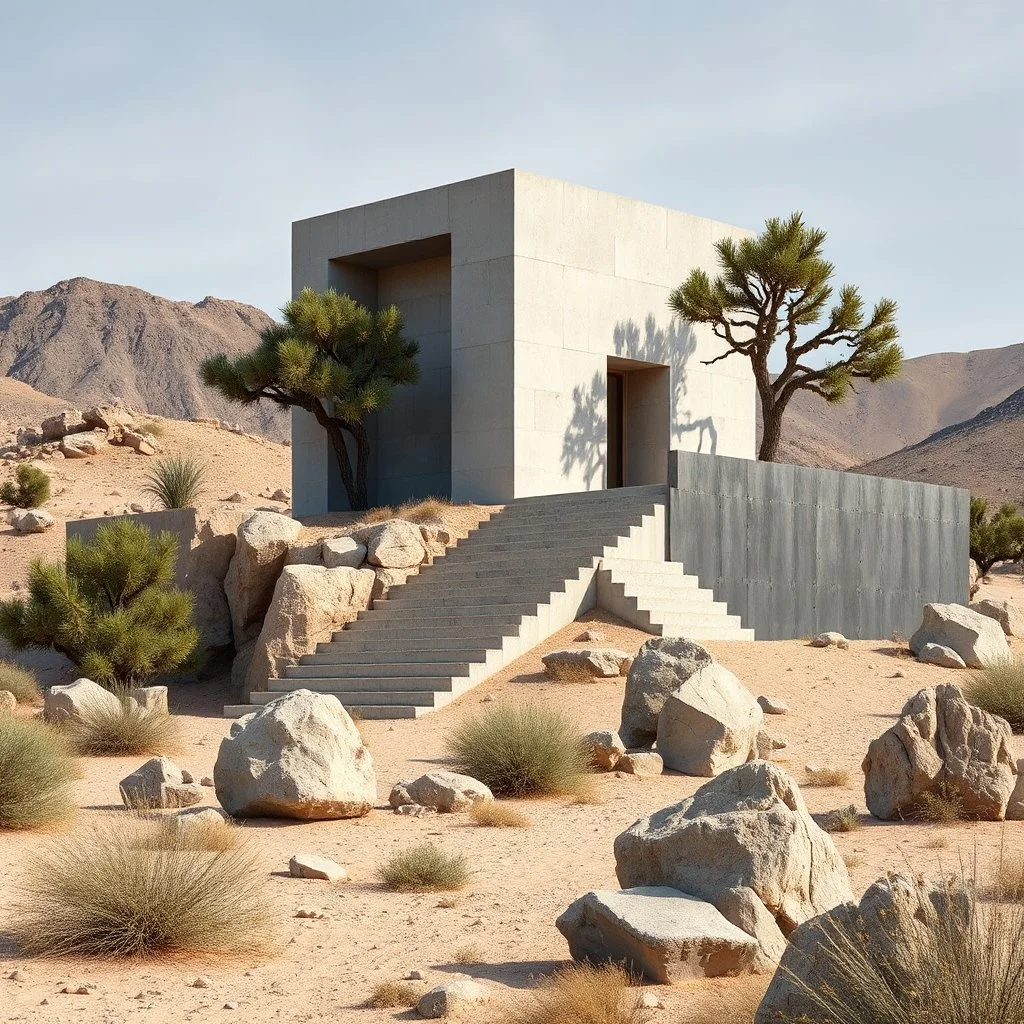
[(826, 777), (104, 731), (944, 806), (424, 868), (20, 682), (108, 894), (999, 689), (842, 819), (154, 427), (468, 955), (214, 835), (176, 482), (948, 960), (522, 750), (582, 994), (377, 515), (427, 510), (995, 538), (387, 995), (29, 489), (490, 814), (852, 860), (36, 768), (1005, 882), (109, 607)]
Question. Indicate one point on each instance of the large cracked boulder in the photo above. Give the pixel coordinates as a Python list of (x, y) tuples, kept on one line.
[(711, 723), (586, 662), (1008, 614), (309, 602), (260, 551), (300, 756), (79, 446), (892, 918), (75, 701), (662, 665), (70, 421), (393, 544), (978, 639), (941, 746), (658, 933), (750, 828), (30, 520)]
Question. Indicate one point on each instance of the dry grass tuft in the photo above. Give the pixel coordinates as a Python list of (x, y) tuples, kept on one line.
[(429, 510), (570, 672), (106, 893), (937, 842), (388, 995), (940, 808), (36, 768), (998, 689), (424, 868), (491, 814), (582, 994), (1006, 883), (468, 955), (852, 860), (377, 515), (126, 729), (188, 832), (827, 777), (21, 682), (522, 750), (842, 819)]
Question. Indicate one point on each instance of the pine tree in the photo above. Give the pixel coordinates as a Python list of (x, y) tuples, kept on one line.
[(332, 357), (999, 538), (109, 607), (29, 489), (777, 287)]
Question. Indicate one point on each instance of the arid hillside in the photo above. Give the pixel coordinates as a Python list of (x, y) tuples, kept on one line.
[(933, 392), (88, 341)]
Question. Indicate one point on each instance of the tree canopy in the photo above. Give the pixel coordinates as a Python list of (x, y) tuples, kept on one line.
[(995, 538)]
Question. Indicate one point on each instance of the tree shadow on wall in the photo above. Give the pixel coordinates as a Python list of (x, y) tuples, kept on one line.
[(587, 433), (671, 346)]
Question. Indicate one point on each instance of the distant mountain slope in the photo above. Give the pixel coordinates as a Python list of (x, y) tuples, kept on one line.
[(91, 341), (985, 454), (933, 392)]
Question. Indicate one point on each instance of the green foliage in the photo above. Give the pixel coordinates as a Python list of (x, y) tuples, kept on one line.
[(522, 750), (19, 681), (108, 731), (995, 538), (35, 771), (29, 489), (424, 868), (777, 288), (329, 351), (999, 690), (176, 482), (113, 893), (110, 607)]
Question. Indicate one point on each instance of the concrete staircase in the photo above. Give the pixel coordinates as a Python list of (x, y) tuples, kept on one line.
[(529, 570)]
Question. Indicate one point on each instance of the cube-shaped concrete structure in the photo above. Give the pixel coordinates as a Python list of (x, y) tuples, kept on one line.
[(550, 360)]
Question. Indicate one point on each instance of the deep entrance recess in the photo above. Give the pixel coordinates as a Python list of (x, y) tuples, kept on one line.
[(639, 416), (616, 428)]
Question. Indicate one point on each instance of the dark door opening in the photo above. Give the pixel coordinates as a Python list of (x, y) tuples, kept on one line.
[(616, 429)]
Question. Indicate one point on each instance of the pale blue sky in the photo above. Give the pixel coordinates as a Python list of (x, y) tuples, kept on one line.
[(170, 145)]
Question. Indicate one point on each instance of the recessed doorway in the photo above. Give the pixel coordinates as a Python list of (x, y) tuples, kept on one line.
[(638, 423), (616, 429)]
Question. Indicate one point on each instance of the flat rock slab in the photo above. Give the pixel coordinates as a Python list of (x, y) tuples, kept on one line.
[(442, 791), (597, 662), (641, 762), (657, 932), (944, 657), (309, 865)]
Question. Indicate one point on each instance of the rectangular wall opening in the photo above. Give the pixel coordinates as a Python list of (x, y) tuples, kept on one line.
[(639, 418)]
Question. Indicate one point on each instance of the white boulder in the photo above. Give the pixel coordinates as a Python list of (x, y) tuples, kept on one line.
[(309, 865), (442, 791), (1008, 614), (71, 702), (393, 544), (978, 639), (30, 520), (642, 763), (79, 446), (452, 998), (595, 662), (606, 749), (159, 783), (151, 698), (342, 553), (944, 657), (70, 421), (831, 639)]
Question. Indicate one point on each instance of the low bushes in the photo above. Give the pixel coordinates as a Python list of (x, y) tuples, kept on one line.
[(35, 770), (842, 819), (30, 488), (104, 731), (827, 777), (522, 750), (490, 814), (387, 995), (109, 893), (999, 689), (20, 682), (176, 482), (581, 994), (424, 868)]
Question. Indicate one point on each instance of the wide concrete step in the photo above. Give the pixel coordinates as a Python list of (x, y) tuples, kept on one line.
[(498, 614), (387, 694), (356, 644), (313, 666), (358, 710), (350, 654), (705, 632), (460, 631), (479, 588), (509, 568), (556, 526), (327, 680), (618, 497), (458, 598)]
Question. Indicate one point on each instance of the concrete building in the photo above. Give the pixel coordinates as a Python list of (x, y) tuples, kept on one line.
[(550, 360)]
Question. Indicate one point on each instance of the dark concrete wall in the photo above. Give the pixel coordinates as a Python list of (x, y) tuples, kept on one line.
[(797, 551)]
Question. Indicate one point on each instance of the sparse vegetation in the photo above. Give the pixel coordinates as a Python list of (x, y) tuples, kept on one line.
[(428, 510), (176, 482), (380, 514), (29, 489), (491, 814), (468, 955), (827, 777), (995, 538), (998, 689), (939, 841), (20, 682), (103, 731), (522, 750), (582, 994), (942, 807), (109, 607), (424, 868), (852, 860), (388, 995), (1006, 882), (109, 894), (36, 768), (842, 819), (188, 832)]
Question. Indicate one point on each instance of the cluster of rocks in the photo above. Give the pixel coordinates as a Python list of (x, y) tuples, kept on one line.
[(574, 663), (30, 520), (161, 784), (713, 885), (439, 791), (74, 702), (957, 636)]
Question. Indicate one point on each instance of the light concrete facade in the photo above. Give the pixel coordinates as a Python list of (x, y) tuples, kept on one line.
[(525, 294)]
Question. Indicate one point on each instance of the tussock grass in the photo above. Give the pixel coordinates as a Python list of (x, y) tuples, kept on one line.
[(943, 807), (21, 682), (939, 841), (107, 893), (956, 962), (522, 750), (582, 994), (124, 729), (36, 768), (842, 819), (388, 995), (176, 482), (429, 510), (1006, 881), (424, 868), (852, 860), (572, 673), (999, 689), (468, 955), (188, 832), (491, 814), (377, 515), (826, 777)]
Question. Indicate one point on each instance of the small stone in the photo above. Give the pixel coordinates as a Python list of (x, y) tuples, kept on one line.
[(309, 865), (489, 699), (231, 1006), (773, 706), (15, 976), (202, 982), (831, 639), (206, 781), (239, 497), (415, 810), (641, 763), (899, 674), (309, 914), (414, 976), (591, 636), (136, 507), (943, 657), (651, 1001)]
